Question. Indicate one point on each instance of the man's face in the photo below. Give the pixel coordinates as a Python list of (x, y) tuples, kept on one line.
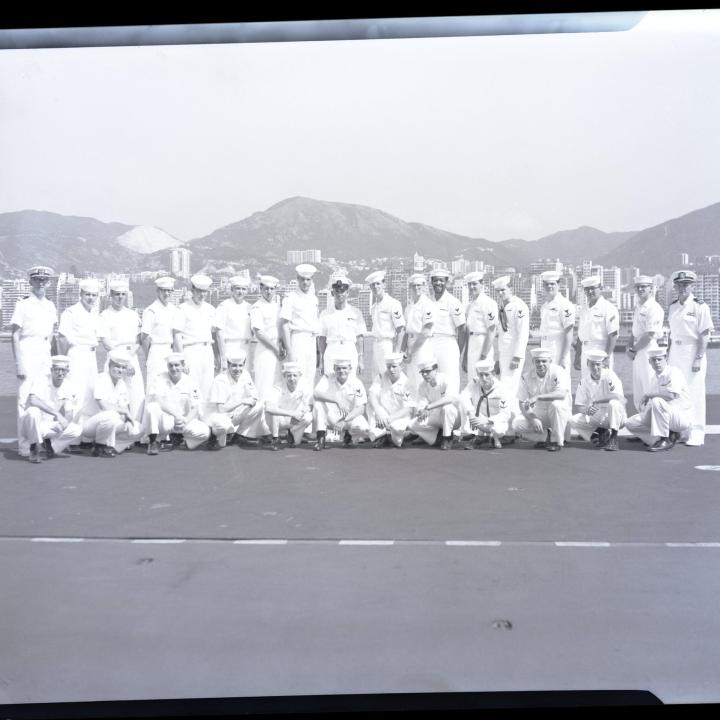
[(163, 295), (59, 373), (550, 287), (504, 295), (198, 295), (175, 369), (394, 369), (118, 298), (267, 291), (235, 368), (292, 378), (593, 293), (340, 293), (238, 292), (88, 299), (342, 371), (474, 288), (304, 283), (378, 289), (416, 289), (541, 366), (438, 284), (658, 364), (683, 289), (643, 292), (596, 367), (486, 379), (39, 285), (430, 376), (116, 371)]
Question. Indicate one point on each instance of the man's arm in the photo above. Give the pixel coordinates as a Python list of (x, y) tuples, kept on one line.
[(20, 371)]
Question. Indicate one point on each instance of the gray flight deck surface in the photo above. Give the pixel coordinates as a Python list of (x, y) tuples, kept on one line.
[(605, 565)]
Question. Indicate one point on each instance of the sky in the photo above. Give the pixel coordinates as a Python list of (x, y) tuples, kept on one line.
[(494, 137)]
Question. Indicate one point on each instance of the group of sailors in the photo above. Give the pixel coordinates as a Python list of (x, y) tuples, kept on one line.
[(240, 373)]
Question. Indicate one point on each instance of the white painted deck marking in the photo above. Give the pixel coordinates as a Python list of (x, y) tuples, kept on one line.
[(695, 544), (57, 539), (715, 468)]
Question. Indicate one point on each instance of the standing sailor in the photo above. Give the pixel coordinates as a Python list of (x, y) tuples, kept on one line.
[(264, 320), (387, 321), (192, 334), (482, 316), (449, 324), (419, 321), (156, 332), (232, 319), (690, 327), (390, 404), (557, 319), (299, 323), (646, 328), (598, 326), (120, 329)]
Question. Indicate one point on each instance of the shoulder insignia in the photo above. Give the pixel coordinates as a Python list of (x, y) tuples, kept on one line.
[(491, 316), (503, 404), (698, 301), (519, 314), (428, 313), (567, 312)]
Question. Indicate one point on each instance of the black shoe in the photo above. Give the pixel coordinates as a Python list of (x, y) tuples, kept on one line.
[(674, 437), (553, 447), (275, 444), (320, 443), (661, 444), (600, 437), (103, 451), (176, 439), (290, 440), (496, 444), (507, 439), (542, 445), (347, 439), (153, 448), (86, 445), (446, 443), (612, 444), (212, 443), (379, 442), (50, 451), (34, 456)]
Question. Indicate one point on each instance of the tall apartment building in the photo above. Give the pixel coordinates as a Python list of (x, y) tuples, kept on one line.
[(684, 259), (324, 299), (541, 266), (418, 263), (460, 266), (12, 291), (396, 282), (460, 290), (708, 290), (612, 281), (295, 257), (363, 302), (180, 262)]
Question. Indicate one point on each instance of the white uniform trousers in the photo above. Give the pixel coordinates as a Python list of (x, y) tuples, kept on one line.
[(657, 419), (136, 387), (337, 349), (642, 374), (554, 344), (510, 378), (156, 362), (36, 426), (499, 428), (83, 373), (397, 427), (161, 423), (445, 418), (267, 370), (304, 349), (327, 415), (245, 420), (682, 354), (200, 363), (587, 347), (554, 415), (381, 347), (33, 360), (475, 344), (280, 424), (447, 353), (108, 428), (612, 417)]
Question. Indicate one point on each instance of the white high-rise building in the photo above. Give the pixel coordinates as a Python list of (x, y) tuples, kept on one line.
[(180, 262)]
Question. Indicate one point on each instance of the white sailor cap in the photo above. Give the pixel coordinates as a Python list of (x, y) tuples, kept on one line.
[(644, 280), (305, 270), (175, 357), (235, 355), (656, 352), (477, 276), (439, 273), (541, 354), (239, 281), (342, 359), (90, 285), (550, 276), (417, 278), (393, 358), (60, 361), (501, 283), (119, 357), (590, 282), (165, 282), (484, 366), (684, 276), (341, 280), (119, 285), (596, 355), (427, 364), (201, 282), (377, 276), (269, 281), (40, 271), (291, 366)]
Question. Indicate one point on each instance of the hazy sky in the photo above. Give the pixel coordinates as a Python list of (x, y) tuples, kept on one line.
[(495, 137)]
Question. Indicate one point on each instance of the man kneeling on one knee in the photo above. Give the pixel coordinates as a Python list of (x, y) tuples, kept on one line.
[(289, 406), (665, 409), (235, 407), (544, 402), (50, 411), (602, 403), (174, 408), (113, 428), (437, 407)]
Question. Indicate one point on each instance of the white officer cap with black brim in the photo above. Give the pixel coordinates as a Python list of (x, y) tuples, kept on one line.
[(40, 271), (684, 276)]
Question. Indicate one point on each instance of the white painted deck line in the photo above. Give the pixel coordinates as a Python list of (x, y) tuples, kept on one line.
[(57, 539), (695, 544)]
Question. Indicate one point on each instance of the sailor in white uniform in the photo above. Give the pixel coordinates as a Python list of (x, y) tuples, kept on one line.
[(598, 326), (448, 329), (232, 319), (265, 323), (156, 331), (289, 408), (419, 322), (647, 327), (299, 323), (666, 411), (387, 321), (557, 319), (481, 316), (601, 401), (690, 324)]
